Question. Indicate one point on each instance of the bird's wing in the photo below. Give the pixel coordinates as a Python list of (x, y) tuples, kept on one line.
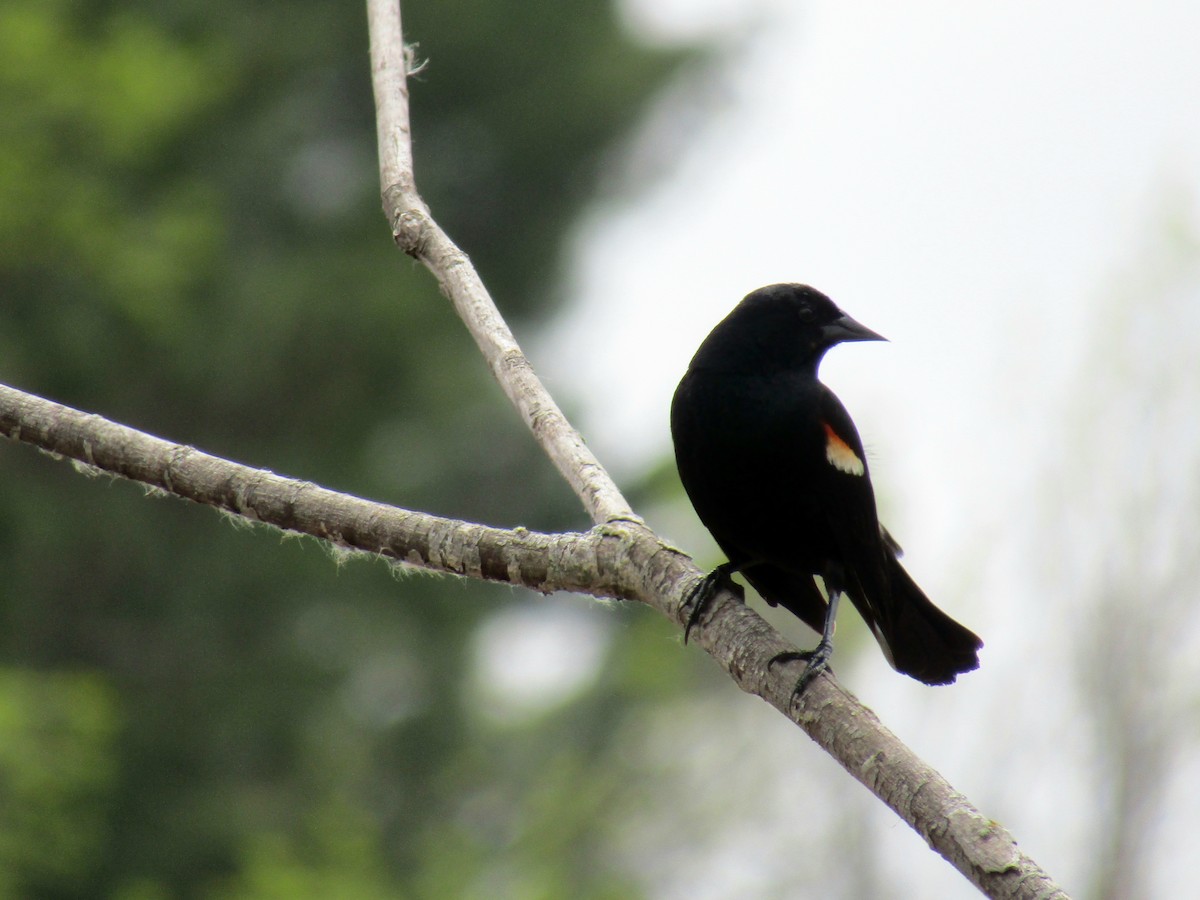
[(848, 502)]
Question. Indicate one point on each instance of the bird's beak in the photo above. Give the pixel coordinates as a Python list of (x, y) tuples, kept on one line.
[(847, 329)]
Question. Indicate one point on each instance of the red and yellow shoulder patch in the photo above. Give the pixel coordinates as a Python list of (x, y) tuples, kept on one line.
[(840, 455)]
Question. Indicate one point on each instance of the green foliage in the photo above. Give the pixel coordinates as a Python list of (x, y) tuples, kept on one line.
[(57, 774), (191, 242), (91, 113), (333, 854)]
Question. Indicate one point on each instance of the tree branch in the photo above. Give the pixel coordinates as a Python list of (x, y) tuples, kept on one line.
[(540, 562), (741, 641), (620, 558), (418, 235)]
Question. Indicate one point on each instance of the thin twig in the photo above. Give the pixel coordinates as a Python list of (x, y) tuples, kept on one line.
[(418, 235)]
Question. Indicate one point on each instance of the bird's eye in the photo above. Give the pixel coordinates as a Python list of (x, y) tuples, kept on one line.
[(807, 314)]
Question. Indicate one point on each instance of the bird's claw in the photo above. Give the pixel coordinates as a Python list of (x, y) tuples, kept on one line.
[(817, 659), (702, 592), (697, 598)]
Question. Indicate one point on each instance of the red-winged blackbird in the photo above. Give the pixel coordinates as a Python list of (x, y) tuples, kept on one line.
[(776, 471)]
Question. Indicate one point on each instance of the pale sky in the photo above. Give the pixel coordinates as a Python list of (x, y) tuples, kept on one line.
[(969, 180)]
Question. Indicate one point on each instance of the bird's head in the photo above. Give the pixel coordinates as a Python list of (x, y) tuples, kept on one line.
[(779, 327)]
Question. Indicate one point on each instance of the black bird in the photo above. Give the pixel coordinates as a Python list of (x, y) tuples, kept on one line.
[(776, 471)]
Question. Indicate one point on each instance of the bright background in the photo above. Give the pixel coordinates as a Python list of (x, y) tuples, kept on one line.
[(1009, 193), (191, 243)]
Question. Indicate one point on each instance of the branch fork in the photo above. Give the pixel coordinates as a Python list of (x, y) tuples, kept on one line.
[(620, 557)]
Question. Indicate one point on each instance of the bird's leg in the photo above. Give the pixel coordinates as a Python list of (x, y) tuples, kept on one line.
[(818, 657), (702, 592)]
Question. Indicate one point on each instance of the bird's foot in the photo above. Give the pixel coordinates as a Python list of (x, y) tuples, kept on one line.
[(817, 659), (702, 592)]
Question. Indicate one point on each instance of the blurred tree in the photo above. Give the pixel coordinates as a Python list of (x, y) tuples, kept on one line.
[(191, 242), (56, 760), (1128, 511)]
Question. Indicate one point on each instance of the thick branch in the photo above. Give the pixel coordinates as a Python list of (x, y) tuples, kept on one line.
[(541, 562), (621, 559), (419, 236), (741, 641)]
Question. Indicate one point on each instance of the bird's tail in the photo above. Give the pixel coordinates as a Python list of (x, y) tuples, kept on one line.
[(919, 639)]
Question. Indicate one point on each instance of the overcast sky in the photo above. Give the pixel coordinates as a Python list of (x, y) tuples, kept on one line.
[(975, 182)]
